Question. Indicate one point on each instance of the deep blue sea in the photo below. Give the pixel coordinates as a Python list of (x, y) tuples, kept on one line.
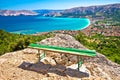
[(35, 24)]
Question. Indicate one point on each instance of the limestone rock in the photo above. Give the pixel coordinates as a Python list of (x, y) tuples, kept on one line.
[(48, 60), (21, 65), (62, 40), (29, 50)]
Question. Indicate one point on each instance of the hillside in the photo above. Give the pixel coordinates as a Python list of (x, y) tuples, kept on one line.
[(11, 42), (107, 45), (24, 64), (103, 11), (111, 11)]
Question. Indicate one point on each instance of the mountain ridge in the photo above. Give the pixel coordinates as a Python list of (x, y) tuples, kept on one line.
[(108, 10)]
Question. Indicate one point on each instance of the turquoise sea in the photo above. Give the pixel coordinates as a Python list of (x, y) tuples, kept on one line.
[(35, 24)]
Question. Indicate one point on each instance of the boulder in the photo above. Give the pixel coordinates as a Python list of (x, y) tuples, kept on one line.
[(48, 60)]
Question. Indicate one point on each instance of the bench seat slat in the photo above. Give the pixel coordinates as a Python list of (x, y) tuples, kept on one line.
[(64, 50)]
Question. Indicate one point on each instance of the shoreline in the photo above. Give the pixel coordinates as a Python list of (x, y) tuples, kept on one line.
[(26, 32), (89, 23), (86, 31), (70, 32)]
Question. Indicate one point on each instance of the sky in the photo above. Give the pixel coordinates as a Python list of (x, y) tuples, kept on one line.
[(50, 4)]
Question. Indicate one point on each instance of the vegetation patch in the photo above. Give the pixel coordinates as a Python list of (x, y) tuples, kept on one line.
[(11, 42), (107, 45)]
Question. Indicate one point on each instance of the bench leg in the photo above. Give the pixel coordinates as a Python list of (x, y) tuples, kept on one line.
[(79, 61), (41, 56)]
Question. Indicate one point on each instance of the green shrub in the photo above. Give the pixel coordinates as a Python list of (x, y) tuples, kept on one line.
[(109, 46), (12, 42)]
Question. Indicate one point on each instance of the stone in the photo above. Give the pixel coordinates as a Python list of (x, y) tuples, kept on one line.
[(30, 51), (48, 60)]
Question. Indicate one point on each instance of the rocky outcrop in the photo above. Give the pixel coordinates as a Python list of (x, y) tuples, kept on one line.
[(99, 63), (62, 40), (24, 64)]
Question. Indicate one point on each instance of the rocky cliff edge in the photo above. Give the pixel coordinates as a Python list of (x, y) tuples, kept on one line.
[(24, 65)]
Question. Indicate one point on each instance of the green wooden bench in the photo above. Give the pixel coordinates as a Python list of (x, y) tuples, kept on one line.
[(79, 53)]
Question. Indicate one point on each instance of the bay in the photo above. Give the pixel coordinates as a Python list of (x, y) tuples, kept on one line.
[(36, 24)]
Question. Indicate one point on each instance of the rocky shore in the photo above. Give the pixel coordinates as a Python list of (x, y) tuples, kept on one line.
[(24, 65)]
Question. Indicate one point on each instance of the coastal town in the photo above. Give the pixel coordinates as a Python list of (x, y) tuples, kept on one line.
[(106, 28)]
